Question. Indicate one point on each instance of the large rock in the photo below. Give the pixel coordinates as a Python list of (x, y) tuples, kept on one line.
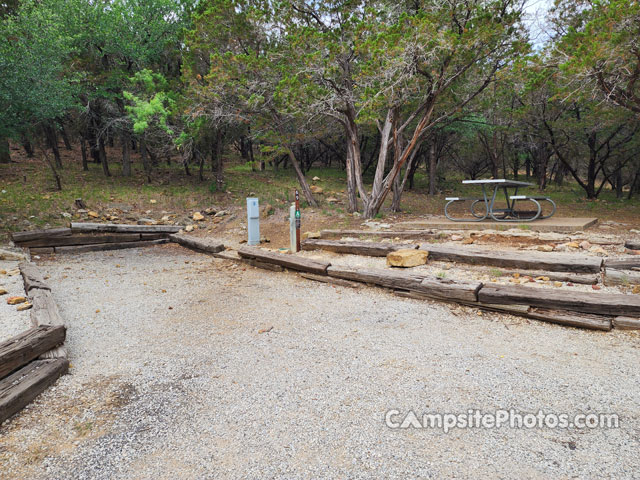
[(407, 258)]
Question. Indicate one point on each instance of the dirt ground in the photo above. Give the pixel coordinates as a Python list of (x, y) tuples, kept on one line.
[(185, 366)]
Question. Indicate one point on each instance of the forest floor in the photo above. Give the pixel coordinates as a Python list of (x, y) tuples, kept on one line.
[(29, 200), (188, 366)]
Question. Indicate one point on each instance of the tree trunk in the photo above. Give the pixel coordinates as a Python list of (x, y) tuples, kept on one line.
[(52, 140), (65, 137), (28, 148), (103, 158), (126, 155), (201, 159), (433, 164), (220, 161), (146, 164), (52, 166), (306, 191), (5, 152), (83, 150)]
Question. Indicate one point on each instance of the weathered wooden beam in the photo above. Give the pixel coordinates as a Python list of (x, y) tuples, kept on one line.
[(288, 261), (19, 237), (623, 263), (379, 233), (572, 319), (42, 251), (632, 244), (557, 262), (99, 247), (44, 310), (613, 276), (81, 239), (21, 349), (626, 323), (372, 249), (201, 244), (265, 266), (586, 302), (32, 277), (22, 387), (580, 278), (122, 228), (327, 279)]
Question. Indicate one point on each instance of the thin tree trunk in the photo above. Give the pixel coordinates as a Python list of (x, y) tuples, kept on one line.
[(304, 185), (5, 152), (83, 150), (126, 155), (52, 166), (103, 158), (65, 137), (52, 139), (433, 164), (28, 148), (146, 164)]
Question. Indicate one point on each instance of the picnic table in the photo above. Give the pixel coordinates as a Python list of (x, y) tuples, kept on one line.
[(509, 188)]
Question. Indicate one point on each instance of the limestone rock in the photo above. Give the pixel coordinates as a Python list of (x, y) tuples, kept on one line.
[(598, 250), (317, 190), (11, 255), (188, 228), (315, 179), (93, 214), (407, 258), (468, 241), (457, 238), (16, 300), (3, 291), (24, 306), (545, 248), (221, 213), (197, 216)]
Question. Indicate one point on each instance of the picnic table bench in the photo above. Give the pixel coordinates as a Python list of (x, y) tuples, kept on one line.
[(488, 202)]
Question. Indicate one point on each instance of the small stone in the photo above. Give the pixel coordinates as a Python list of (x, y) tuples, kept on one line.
[(573, 245), (542, 279), (3, 291), (317, 190), (24, 306), (545, 248), (66, 215), (456, 238), (188, 228), (598, 250), (16, 300), (468, 241), (516, 275), (636, 289), (407, 258), (595, 287), (93, 214), (221, 213), (557, 284), (315, 179), (153, 201), (585, 245), (332, 200), (197, 216), (264, 240)]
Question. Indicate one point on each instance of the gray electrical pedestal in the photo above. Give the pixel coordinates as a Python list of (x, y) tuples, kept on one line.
[(253, 221)]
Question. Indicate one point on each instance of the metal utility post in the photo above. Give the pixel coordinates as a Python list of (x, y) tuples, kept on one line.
[(253, 221), (292, 228), (297, 221)]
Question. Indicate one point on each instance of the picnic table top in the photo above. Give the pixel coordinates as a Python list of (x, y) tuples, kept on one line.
[(502, 181)]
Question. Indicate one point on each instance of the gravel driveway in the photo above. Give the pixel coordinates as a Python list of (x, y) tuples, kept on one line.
[(186, 366)]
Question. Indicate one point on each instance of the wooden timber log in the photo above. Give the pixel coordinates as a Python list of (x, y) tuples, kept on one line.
[(44, 310), (623, 263), (573, 319), (626, 323), (586, 302), (378, 233), (614, 276), (201, 244), (122, 228), (372, 249), (432, 286), (20, 237), (21, 349), (32, 277), (632, 244), (42, 251), (557, 262), (327, 279), (265, 266), (22, 387), (99, 247), (581, 278), (288, 261), (81, 239)]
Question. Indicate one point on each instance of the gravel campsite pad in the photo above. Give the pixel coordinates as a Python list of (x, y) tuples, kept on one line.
[(187, 366)]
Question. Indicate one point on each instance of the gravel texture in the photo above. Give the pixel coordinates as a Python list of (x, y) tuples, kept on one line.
[(172, 378), (12, 322)]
